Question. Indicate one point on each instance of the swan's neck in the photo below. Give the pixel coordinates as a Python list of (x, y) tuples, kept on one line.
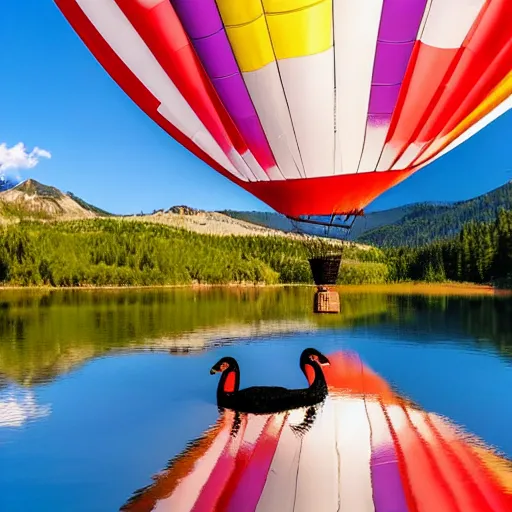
[(229, 382), (319, 378)]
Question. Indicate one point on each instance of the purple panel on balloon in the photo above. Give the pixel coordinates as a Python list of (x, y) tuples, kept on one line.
[(199, 17), (391, 63), (382, 97), (401, 20), (233, 93), (203, 24), (398, 31), (216, 55)]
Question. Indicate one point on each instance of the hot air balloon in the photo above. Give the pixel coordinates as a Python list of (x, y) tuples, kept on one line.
[(368, 450), (316, 107)]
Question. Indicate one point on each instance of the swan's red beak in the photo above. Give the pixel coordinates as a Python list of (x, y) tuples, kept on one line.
[(322, 361), (213, 371)]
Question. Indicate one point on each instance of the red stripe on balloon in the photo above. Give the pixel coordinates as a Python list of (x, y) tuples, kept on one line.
[(436, 459), (225, 469), (486, 60), (430, 75), (342, 194), (162, 31), (483, 64), (424, 79), (463, 476), (243, 493)]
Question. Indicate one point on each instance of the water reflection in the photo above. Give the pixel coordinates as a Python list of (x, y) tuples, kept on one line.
[(18, 406), (127, 376), (367, 448), (47, 333)]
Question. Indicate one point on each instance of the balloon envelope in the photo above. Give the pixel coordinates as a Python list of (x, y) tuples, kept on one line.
[(315, 107)]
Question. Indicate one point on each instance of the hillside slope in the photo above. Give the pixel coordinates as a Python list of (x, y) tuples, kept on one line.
[(87, 206), (427, 222), (31, 199)]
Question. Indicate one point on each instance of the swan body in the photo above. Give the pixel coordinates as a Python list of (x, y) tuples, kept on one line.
[(269, 399)]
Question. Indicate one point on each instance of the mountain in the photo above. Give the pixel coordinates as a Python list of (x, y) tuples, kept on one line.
[(412, 225), (425, 222), (31, 199), (89, 207)]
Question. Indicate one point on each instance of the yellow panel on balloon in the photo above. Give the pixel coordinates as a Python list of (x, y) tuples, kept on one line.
[(258, 40), (274, 6), (302, 32), (239, 12), (251, 45)]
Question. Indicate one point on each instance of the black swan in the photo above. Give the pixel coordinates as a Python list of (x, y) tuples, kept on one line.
[(269, 399)]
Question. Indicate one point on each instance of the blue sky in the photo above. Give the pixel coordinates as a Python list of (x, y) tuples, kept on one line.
[(55, 96)]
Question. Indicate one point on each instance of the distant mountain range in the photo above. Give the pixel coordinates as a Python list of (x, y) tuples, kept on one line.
[(423, 223), (411, 225)]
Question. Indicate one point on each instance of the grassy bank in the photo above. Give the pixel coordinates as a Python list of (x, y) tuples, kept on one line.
[(403, 288)]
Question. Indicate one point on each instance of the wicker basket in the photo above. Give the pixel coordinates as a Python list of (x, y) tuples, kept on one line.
[(325, 269)]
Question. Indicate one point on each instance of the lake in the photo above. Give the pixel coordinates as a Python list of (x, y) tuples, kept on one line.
[(100, 389)]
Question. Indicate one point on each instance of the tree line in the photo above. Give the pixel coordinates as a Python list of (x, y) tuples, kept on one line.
[(480, 253), (115, 252)]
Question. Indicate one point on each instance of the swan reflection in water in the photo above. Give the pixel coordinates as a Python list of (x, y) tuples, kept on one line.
[(361, 447)]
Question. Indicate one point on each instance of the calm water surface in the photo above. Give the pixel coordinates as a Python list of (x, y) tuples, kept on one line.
[(98, 390)]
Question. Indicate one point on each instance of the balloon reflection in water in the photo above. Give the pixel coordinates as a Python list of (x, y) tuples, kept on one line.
[(366, 450)]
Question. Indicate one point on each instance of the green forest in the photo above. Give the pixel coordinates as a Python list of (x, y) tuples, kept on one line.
[(116, 252), (480, 253)]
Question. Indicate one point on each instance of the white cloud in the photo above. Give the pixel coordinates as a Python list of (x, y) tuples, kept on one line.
[(17, 157)]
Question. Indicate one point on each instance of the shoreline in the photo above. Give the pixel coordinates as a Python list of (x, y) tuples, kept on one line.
[(406, 288)]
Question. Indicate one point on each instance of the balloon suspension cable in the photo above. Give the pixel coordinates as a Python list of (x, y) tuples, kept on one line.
[(346, 224)]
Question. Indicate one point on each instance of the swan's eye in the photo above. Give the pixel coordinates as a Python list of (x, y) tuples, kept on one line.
[(313, 357), (224, 366)]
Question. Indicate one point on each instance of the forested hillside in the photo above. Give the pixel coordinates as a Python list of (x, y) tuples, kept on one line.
[(481, 253), (100, 252), (426, 223)]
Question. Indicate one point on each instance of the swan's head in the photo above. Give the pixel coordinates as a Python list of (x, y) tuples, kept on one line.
[(226, 363), (312, 354)]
